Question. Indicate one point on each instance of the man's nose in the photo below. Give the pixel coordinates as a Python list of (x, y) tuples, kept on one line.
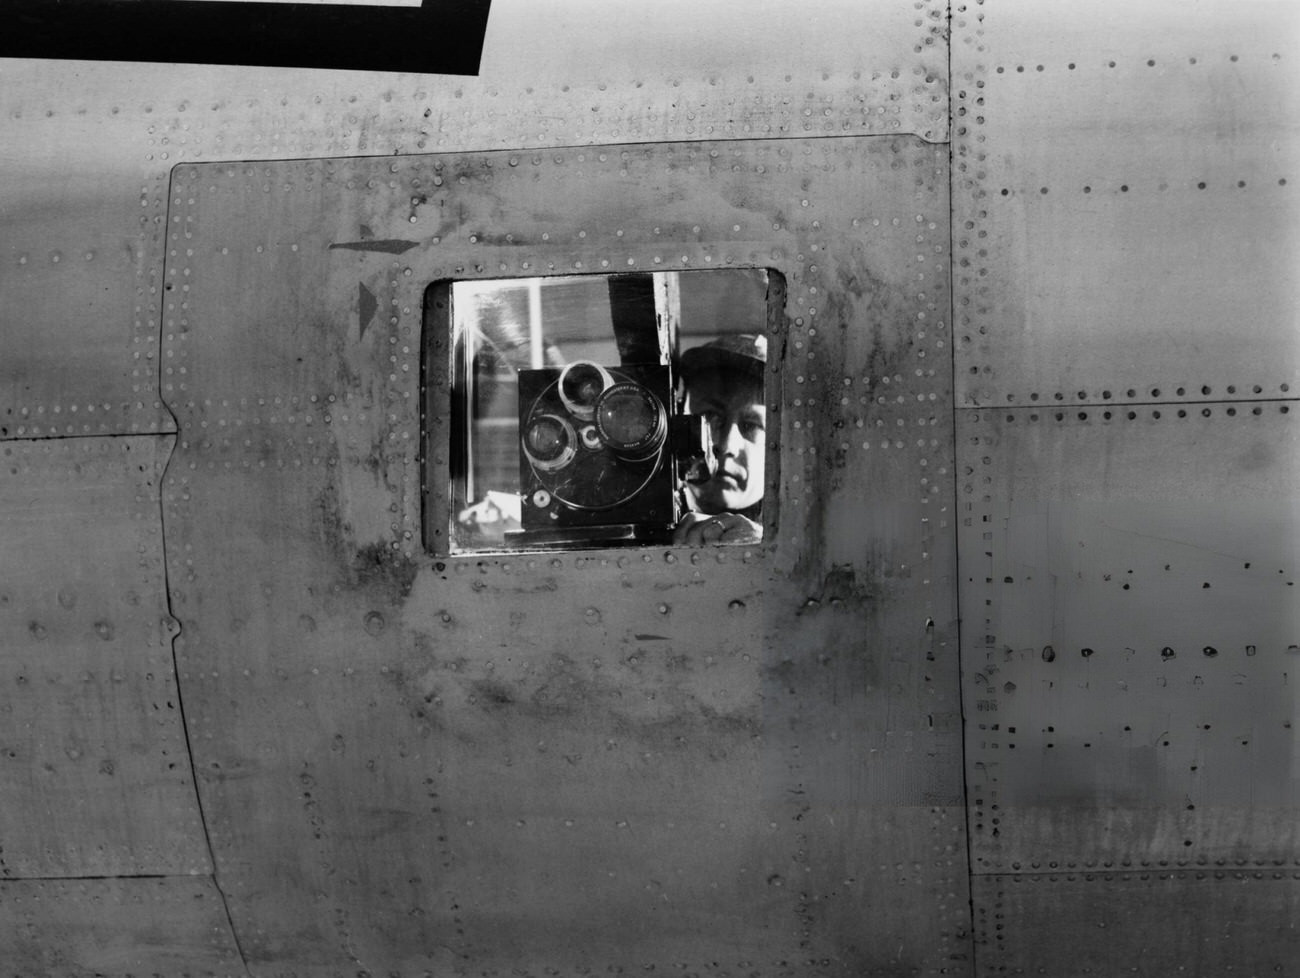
[(729, 441)]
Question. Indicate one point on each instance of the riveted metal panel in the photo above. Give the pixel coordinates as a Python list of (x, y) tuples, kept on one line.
[(94, 770), (79, 273), (1125, 312), (742, 758), (1203, 924), (1126, 201), (91, 145), (577, 72), (1132, 629), (172, 925)]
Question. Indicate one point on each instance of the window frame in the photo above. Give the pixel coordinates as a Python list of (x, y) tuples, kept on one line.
[(444, 418)]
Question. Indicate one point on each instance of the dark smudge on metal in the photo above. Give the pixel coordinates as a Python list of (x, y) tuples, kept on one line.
[(387, 246)]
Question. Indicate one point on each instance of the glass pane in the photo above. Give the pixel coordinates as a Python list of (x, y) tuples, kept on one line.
[(609, 409)]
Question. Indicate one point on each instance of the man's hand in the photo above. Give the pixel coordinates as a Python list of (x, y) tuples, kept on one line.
[(700, 529)]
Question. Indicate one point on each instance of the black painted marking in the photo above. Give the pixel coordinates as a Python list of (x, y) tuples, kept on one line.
[(438, 37), (388, 246), (367, 306)]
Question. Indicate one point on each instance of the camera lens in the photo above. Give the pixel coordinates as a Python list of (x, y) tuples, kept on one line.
[(581, 384), (549, 442), (546, 438), (631, 421)]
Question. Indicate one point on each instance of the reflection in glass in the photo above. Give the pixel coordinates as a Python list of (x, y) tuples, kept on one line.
[(573, 403)]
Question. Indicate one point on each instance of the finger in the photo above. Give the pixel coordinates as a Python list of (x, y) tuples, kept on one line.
[(691, 536), (712, 530), (698, 533), (741, 530), (687, 531)]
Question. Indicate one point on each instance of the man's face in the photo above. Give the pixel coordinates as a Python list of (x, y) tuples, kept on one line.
[(731, 402)]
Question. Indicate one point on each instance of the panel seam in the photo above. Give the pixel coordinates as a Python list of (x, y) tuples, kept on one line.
[(1050, 406), (582, 147), (109, 876), (167, 595), (1211, 873), (972, 943), (11, 439)]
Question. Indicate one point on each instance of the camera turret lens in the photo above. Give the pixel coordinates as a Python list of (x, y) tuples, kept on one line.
[(581, 384), (550, 442), (631, 421)]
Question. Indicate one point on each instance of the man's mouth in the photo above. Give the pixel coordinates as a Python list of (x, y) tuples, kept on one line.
[(731, 479)]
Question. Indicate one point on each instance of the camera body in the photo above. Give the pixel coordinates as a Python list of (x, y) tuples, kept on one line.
[(604, 452)]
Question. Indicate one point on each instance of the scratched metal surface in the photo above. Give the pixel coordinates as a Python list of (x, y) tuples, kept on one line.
[(741, 758), (1199, 923), (1126, 207), (89, 146), (94, 771), (172, 925)]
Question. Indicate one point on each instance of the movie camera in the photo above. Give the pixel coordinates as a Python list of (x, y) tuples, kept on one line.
[(605, 452)]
